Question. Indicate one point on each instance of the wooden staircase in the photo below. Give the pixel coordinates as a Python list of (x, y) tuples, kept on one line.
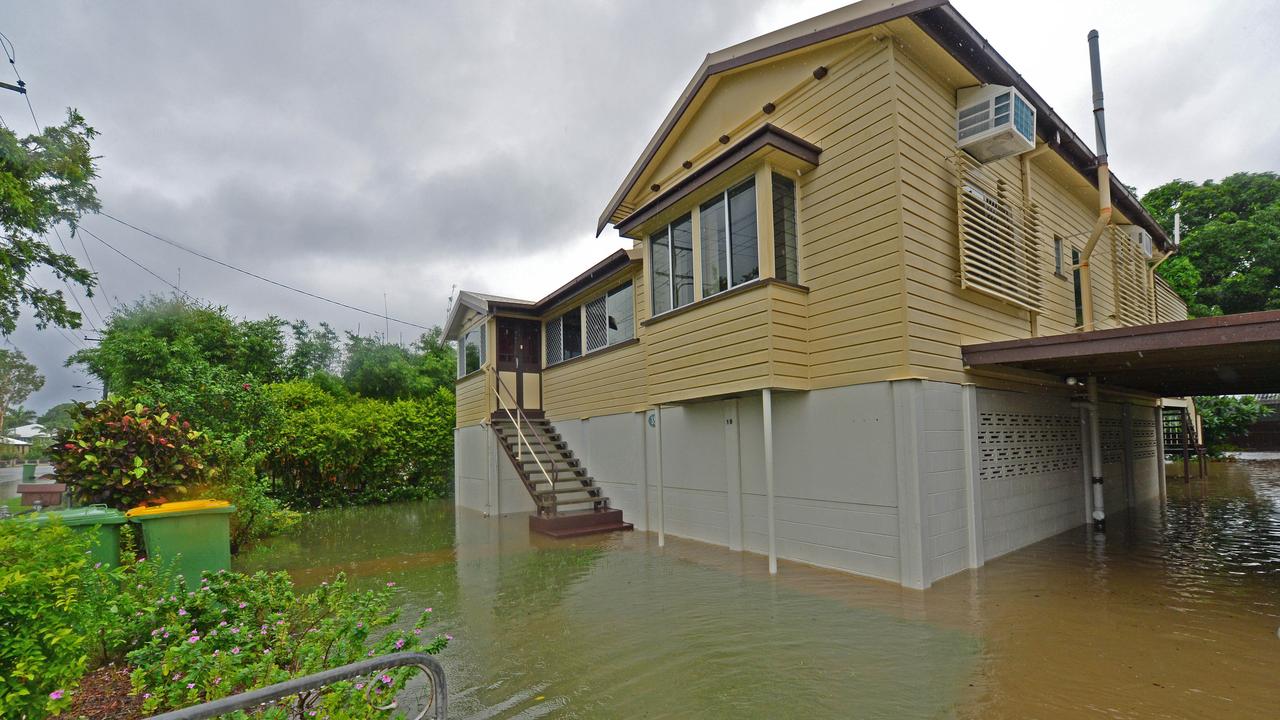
[(569, 503)]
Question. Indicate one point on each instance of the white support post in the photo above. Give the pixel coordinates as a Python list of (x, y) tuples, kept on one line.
[(1095, 455), (733, 475), (644, 470), (1085, 467), (662, 522), (972, 477), (1160, 464), (768, 478)]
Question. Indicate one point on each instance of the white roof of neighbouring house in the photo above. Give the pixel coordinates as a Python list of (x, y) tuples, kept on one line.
[(26, 432), (13, 441)]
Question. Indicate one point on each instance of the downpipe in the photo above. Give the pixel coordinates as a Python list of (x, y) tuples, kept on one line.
[(1104, 184)]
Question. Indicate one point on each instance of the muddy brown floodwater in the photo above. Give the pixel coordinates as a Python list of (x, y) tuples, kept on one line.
[(1174, 614)]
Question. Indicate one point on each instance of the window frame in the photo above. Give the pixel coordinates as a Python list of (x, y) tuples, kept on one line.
[(723, 197), (581, 310), (482, 327)]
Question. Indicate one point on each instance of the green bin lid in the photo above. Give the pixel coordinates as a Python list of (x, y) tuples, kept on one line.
[(88, 515)]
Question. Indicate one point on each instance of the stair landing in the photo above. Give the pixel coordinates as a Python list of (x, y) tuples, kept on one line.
[(579, 522)]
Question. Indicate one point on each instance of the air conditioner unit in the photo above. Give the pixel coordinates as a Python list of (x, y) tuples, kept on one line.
[(1140, 237), (994, 121)]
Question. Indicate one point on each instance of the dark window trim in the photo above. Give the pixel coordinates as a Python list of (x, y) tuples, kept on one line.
[(764, 136), (735, 290), (593, 354), (579, 308)]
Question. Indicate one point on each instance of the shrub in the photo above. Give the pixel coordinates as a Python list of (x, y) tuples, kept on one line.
[(234, 477), (121, 453), (240, 632), (43, 613), (357, 450)]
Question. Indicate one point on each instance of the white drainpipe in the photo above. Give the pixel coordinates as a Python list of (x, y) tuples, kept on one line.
[(1095, 453), (662, 509)]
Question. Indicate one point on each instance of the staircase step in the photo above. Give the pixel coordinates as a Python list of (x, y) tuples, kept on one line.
[(568, 490), (577, 480)]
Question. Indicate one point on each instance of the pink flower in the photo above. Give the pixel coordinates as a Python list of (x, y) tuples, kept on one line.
[(146, 696), (182, 611), (215, 653), (191, 686), (391, 584), (55, 695), (267, 651), (359, 625), (400, 643), (359, 686), (222, 624), (428, 609), (244, 605), (235, 651), (417, 631), (447, 636), (194, 639), (247, 386), (217, 681), (386, 679)]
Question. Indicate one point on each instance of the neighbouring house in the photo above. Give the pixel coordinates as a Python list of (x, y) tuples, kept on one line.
[(33, 431), (861, 323)]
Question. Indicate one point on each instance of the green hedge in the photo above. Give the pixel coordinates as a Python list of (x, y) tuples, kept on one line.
[(328, 451)]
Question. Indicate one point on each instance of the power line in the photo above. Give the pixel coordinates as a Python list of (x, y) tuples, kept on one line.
[(66, 282), (229, 266), (146, 269)]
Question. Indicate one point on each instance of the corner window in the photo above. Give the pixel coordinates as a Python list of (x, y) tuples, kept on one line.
[(730, 248), (785, 256), (609, 319), (671, 265), (621, 314), (471, 350)]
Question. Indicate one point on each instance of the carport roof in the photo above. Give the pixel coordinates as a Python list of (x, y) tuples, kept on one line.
[(1231, 354)]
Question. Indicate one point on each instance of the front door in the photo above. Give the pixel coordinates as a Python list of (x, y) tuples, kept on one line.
[(519, 361)]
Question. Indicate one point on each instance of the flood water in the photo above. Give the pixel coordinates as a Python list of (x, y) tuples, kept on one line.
[(1173, 615)]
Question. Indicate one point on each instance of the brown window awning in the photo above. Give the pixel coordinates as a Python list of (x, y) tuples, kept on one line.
[(1227, 355)]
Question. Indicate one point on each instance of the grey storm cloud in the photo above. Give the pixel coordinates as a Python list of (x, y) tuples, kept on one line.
[(361, 148)]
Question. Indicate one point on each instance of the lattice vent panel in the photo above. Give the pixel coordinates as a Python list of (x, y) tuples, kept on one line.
[(1144, 439), (597, 324), (1112, 440), (1021, 444)]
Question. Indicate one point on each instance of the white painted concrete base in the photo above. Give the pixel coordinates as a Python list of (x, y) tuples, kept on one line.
[(908, 481)]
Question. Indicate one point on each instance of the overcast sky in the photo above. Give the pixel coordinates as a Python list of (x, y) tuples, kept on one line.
[(361, 148)]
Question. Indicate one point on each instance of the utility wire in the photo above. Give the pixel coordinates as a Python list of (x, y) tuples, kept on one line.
[(66, 282), (11, 53), (146, 269), (229, 266)]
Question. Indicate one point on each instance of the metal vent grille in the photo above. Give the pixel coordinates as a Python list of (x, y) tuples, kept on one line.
[(555, 339), (597, 324), (1129, 268), (999, 237), (1112, 435)]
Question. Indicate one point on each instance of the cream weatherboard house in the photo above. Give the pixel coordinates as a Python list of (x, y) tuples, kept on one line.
[(827, 217)]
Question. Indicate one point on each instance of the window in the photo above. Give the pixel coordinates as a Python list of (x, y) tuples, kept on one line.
[(730, 250), (597, 337), (785, 257), (609, 318), (671, 256), (1057, 256), (1075, 277), (620, 306), (471, 350)]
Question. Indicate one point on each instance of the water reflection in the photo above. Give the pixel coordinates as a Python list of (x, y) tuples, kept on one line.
[(1172, 614)]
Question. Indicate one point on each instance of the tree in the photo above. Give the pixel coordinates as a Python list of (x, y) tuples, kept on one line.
[(164, 341), (58, 417), (381, 370), (314, 351), (1229, 261), (45, 179), (1227, 417), (18, 379), (19, 416)]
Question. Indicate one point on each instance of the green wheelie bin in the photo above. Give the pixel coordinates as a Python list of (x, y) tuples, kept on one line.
[(194, 535), (105, 522)]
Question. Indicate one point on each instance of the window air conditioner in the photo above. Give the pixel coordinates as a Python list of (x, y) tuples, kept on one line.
[(993, 122)]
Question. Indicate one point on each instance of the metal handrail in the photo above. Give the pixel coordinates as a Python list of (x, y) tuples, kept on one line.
[(554, 476), (306, 684)]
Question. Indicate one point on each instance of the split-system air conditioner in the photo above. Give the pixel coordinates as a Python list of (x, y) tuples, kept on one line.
[(994, 121)]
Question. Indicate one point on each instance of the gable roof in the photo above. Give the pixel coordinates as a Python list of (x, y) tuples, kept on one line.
[(941, 22), (485, 304)]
